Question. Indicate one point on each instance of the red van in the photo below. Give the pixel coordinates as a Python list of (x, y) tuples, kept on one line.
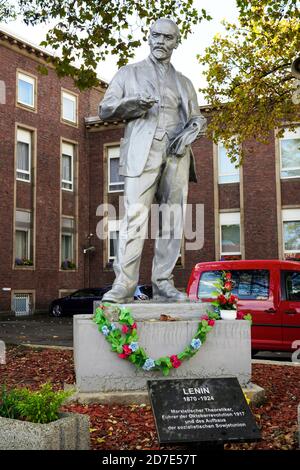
[(268, 289)]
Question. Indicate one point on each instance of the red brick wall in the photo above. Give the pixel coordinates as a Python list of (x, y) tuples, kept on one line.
[(229, 196), (261, 238), (290, 192)]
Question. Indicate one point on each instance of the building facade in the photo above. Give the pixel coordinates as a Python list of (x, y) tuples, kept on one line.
[(59, 166), (44, 174)]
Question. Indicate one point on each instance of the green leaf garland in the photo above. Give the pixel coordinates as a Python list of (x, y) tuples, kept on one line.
[(125, 341)]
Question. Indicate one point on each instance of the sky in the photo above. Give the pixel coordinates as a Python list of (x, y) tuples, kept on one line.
[(184, 58)]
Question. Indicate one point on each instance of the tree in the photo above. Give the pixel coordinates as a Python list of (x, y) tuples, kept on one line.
[(249, 83), (7, 11), (86, 31)]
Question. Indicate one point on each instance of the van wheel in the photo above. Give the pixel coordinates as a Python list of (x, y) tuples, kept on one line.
[(57, 311)]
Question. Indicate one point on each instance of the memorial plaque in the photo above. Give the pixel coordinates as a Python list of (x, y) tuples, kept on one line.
[(201, 410)]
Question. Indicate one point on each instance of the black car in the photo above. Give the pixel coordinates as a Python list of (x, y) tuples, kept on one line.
[(81, 301)]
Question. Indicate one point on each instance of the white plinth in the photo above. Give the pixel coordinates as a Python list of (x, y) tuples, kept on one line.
[(226, 352)]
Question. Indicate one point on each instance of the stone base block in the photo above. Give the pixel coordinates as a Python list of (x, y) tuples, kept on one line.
[(254, 393), (226, 352)]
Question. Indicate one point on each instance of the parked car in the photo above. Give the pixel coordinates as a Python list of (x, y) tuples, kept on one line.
[(267, 289), (81, 301)]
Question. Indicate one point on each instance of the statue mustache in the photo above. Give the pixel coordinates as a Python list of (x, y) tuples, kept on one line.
[(161, 48)]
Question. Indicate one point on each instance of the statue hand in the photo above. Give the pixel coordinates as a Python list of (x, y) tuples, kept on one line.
[(146, 101)]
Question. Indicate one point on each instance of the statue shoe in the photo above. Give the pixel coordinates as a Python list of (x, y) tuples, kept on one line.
[(167, 292), (117, 295)]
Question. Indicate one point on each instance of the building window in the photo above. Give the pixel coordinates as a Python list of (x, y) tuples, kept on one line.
[(115, 181), (113, 239), (67, 164), (290, 154), (68, 243), (26, 90), (69, 107), (24, 154), (227, 173), (291, 233), (23, 239), (22, 303), (230, 233)]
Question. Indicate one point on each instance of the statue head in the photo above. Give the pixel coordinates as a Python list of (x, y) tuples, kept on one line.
[(164, 37)]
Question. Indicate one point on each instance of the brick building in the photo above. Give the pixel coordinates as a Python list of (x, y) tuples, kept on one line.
[(44, 171), (58, 164)]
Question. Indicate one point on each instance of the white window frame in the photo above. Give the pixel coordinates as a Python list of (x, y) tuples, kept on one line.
[(113, 226), (229, 218), (28, 141), (70, 235), (27, 231), (32, 81), (68, 149), (71, 97), (288, 135), (289, 215), (220, 144), (113, 152)]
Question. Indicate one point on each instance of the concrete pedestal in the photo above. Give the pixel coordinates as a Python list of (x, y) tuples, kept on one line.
[(226, 352)]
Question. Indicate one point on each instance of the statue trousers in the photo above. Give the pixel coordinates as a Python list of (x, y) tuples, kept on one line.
[(164, 181)]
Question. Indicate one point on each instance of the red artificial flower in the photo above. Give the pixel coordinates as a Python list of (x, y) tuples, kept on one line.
[(232, 299), (126, 350), (228, 285), (134, 326), (211, 322), (122, 356), (228, 276), (175, 361), (205, 317), (222, 299), (125, 329)]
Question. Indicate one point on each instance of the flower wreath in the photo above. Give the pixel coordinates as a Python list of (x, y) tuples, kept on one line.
[(125, 341)]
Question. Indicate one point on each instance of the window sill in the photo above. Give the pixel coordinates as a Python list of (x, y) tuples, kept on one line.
[(69, 123), (32, 109), (24, 268), (68, 270), (289, 178), (229, 182)]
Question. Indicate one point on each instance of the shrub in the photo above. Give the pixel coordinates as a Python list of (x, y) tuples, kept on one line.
[(9, 402), (40, 406)]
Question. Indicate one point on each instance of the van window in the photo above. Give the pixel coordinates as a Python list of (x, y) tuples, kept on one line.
[(292, 285), (251, 284), (206, 284)]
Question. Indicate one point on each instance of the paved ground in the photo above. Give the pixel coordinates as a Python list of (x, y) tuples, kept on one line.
[(50, 331), (36, 329)]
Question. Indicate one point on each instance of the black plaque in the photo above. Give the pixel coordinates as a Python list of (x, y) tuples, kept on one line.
[(201, 410)]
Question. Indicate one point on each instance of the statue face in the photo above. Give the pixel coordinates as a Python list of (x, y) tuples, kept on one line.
[(163, 39)]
